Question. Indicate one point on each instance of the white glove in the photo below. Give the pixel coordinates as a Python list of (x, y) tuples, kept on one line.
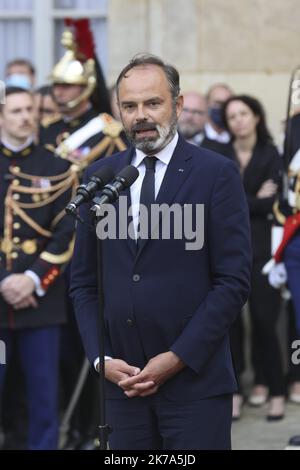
[(277, 276)]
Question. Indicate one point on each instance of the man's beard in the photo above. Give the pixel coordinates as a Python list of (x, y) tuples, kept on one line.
[(151, 145)]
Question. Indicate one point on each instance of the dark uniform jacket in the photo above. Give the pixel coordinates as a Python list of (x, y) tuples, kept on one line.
[(286, 206), (53, 131), (35, 233), (111, 140), (295, 134)]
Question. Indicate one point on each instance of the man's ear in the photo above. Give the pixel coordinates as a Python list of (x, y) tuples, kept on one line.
[(179, 105)]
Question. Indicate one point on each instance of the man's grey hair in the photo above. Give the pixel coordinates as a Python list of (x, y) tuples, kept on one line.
[(141, 60)]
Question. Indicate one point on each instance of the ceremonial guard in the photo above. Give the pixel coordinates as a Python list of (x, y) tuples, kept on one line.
[(284, 267), (36, 241), (81, 135)]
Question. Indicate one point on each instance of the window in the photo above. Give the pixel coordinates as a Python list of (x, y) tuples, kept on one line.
[(32, 29)]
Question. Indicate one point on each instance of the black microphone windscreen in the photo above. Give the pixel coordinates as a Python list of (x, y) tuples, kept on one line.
[(129, 174), (105, 173)]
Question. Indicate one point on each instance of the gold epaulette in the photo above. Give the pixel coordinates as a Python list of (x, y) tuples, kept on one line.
[(47, 122), (279, 216), (112, 128), (41, 198)]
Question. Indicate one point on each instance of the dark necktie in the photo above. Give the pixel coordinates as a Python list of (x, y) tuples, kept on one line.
[(147, 196)]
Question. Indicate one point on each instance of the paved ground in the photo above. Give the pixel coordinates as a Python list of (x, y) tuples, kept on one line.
[(253, 432)]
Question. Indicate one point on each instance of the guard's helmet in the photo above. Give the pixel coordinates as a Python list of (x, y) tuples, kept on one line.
[(77, 66)]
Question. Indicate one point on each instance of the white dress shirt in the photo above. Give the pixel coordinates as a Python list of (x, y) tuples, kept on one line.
[(163, 160), (222, 138)]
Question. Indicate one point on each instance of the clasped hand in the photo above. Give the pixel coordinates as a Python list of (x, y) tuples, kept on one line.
[(268, 189), (136, 382), (17, 290)]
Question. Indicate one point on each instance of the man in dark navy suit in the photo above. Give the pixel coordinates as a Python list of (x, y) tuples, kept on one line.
[(168, 306)]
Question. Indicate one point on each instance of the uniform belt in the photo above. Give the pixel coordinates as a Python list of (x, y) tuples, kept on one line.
[(29, 247)]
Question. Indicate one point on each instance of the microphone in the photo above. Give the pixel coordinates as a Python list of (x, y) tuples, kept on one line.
[(111, 192), (86, 192)]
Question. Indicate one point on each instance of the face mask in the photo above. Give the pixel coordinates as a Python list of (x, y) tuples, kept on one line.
[(19, 81), (215, 115)]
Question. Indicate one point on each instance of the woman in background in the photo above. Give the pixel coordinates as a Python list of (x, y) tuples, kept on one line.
[(257, 157)]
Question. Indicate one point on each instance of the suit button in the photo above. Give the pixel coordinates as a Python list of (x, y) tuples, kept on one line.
[(136, 278), (17, 226), (130, 322)]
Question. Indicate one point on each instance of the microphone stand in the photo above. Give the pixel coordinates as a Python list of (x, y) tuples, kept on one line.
[(104, 428)]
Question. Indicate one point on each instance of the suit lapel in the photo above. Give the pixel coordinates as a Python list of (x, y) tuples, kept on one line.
[(125, 221), (176, 174), (130, 242)]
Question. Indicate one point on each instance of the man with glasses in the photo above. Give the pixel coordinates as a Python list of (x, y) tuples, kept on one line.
[(193, 120)]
